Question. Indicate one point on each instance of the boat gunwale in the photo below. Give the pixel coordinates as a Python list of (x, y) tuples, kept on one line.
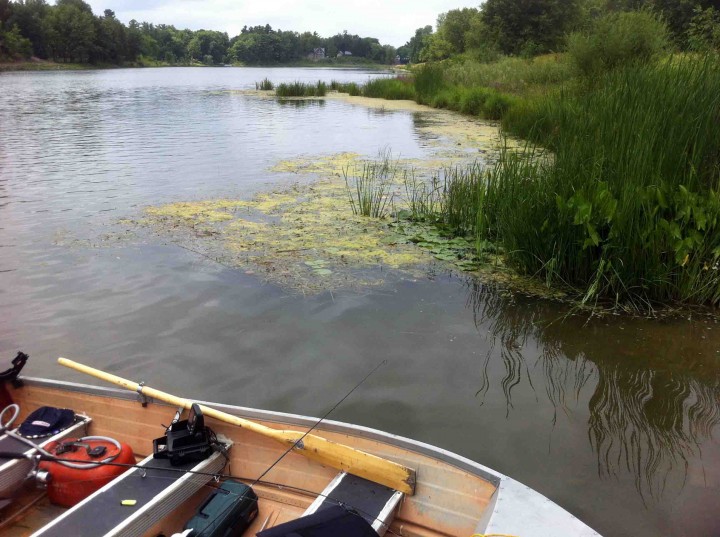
[(524, 509), (422, 448)]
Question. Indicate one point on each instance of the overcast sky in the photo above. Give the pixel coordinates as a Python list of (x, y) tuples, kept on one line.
[(391, 21)]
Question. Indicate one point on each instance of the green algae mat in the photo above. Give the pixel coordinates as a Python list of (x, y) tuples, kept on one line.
[(306, 237)]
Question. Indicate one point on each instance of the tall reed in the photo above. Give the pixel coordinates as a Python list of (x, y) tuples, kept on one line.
[(628, 207), (301, 89), (424, 198), (264, 85), (370, 187), (389, 88)]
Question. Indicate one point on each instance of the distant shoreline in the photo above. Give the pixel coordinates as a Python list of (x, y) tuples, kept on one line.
[(46, 65)]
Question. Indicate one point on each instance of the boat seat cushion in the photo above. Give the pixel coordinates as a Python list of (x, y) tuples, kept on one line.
[(331, 522)]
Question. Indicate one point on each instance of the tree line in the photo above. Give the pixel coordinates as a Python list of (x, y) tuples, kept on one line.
[(531, 27), (68, 31)]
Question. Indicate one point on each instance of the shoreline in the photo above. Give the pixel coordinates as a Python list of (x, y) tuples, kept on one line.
[(46, 65)]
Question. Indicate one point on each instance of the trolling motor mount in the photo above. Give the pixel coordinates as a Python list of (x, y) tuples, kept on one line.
[(185, 441)]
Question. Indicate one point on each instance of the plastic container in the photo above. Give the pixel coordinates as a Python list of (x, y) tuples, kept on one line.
[(69, 486)]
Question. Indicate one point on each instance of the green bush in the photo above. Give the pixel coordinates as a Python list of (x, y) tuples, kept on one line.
[(389, 88), (497, 105), (618, 39), (703, 33), (473, 101), (429, 81), (447, 98)]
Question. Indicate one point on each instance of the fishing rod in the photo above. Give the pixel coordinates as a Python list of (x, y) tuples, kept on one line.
[(214, 475), (298, 442), (43, 455), (317, 448)]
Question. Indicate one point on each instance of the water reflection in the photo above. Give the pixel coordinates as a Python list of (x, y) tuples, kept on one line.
[(301, 103), (655, 391), (380, 112)]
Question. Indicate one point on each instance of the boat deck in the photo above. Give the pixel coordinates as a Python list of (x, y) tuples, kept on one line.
[(449, 500)]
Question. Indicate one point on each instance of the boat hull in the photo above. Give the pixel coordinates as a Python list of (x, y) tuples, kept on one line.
[(455, 496)]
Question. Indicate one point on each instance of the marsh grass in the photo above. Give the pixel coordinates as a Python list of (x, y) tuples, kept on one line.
[(429, 81), (625, 209), (628, 209), (463, 193), (351, 88), (370, 187), (301, 89), (423, 198), (478, 101), (622, 203), (390, 88), (264, 85), (517, 76)]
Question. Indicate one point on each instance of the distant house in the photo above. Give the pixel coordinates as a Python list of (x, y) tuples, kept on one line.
[(317, 54), (342, 53)]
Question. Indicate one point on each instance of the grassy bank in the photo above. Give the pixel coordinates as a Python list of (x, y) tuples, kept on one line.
[(46, 65), (628, 207), (43, 66), (625, 207), (616, 194), (486, 90)]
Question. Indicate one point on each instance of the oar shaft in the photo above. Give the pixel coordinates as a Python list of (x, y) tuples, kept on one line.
[(314, 447), (173, 400)]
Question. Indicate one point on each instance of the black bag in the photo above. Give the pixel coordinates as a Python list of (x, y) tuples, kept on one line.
[(334, 521)]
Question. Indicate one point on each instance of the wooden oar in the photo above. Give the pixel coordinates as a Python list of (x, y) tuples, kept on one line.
[(314, 447)]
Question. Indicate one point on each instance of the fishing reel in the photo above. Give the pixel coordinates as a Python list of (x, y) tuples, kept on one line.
[(185, 441)]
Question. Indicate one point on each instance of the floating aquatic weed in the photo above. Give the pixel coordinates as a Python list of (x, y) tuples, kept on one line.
[(305, 237)]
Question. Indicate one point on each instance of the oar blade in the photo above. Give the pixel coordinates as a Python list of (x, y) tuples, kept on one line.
[(354, 461)]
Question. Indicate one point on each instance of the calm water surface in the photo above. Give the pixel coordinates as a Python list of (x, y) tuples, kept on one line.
[(613, 419)]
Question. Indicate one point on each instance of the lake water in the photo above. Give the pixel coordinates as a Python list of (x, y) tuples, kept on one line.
[(611, 418)]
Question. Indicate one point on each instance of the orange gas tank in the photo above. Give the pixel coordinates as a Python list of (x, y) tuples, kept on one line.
[(80, 475)]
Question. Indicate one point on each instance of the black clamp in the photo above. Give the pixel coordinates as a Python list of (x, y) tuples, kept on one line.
[(10, 375)]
